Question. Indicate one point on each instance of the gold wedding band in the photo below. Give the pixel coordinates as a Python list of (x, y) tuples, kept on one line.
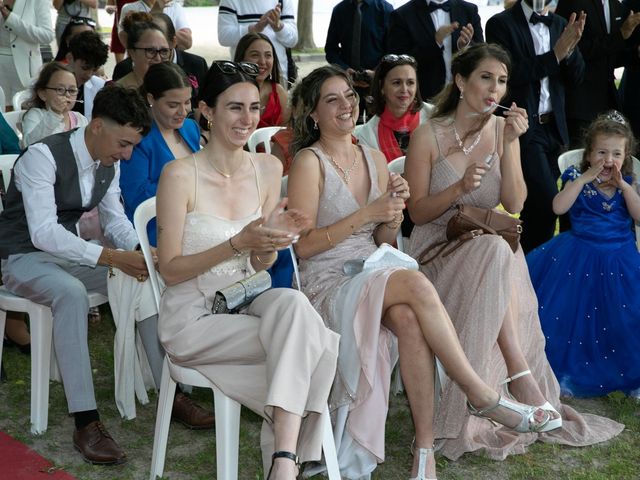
[(141, 277)]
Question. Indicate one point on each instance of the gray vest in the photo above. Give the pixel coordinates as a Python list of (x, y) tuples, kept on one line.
[(14, 230)]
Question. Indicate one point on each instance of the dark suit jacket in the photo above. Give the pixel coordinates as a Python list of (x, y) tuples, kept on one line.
[(602, 53), (193, 65), (510, 29), (411, 31)]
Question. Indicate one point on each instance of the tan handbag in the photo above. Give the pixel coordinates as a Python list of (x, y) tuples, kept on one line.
[(471, 222)]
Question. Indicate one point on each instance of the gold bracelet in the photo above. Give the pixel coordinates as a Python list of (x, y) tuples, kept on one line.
[(110, 263), (331, 244), (396, 222), (236, 252), (269, 262)]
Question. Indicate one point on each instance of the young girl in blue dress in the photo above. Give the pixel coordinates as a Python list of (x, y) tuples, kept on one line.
[(588, 278)]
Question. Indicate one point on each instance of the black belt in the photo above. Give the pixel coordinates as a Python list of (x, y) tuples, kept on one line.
[(545, 118)]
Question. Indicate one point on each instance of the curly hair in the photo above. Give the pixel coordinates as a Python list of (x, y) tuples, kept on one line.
[(305, 132), (124, 106), (609, 124), (41, 83), (88, 46)]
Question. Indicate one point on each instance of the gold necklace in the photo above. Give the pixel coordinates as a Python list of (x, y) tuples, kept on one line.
[(225, 174), (346, 174)]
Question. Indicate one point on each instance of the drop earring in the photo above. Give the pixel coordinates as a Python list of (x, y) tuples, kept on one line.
[(461, 95), (315, 125), (209, 124)]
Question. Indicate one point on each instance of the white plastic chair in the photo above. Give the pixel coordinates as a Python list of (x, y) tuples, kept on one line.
[(397, 166), (574, 157), (42, 355), (14, 120), (262, 136), (227, 411), (3, 99), (19, 98)]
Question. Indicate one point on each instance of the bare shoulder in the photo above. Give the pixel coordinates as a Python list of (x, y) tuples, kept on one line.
[(180, 169), (268, 164)]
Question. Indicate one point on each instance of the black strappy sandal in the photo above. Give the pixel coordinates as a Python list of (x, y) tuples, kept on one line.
[(283, 454)]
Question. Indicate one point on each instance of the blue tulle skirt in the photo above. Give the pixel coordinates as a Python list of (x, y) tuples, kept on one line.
[(589, 303)]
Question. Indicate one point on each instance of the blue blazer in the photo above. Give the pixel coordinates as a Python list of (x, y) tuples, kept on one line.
[(510, 29), (140, 174)]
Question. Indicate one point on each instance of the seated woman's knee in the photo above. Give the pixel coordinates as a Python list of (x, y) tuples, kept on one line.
[(402, 321)]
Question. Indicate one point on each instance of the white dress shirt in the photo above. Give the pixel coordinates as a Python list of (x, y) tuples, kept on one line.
[(440, 18), (35, 175), (542, 44)]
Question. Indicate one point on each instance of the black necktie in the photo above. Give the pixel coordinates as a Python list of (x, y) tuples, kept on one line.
[(432, 6), (355, 36), (536, 18)]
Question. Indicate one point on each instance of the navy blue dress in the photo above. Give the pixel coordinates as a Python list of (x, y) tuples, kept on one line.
[(588, 285)]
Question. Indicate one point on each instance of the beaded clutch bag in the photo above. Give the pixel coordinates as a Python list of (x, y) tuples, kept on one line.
[(239, 294)]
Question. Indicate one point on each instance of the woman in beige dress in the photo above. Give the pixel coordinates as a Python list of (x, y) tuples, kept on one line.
[(467, 155), (214, 210), (355, 205)]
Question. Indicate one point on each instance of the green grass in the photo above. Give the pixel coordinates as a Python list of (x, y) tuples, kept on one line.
[(191, 454)]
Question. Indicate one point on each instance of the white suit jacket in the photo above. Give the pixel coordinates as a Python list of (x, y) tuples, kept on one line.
[(29, 25)]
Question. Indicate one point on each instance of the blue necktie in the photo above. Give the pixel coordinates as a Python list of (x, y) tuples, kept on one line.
[(432, 6)]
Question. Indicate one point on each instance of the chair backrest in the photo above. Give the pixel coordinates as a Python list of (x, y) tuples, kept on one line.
[(141, 217), (397, 165), (6, 164), (19, 98), (3, 99), (570, 157), (262, 136), (14, 121)]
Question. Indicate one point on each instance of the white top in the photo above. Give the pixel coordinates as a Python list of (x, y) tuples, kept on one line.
[(440, 18), (542, 44), (35, 175), (38, 123), (173, 10), (236, 16)]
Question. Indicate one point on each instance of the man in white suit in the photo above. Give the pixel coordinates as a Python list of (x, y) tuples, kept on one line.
[(24, 25)]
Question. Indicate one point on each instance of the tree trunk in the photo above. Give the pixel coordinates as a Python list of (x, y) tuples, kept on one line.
[(305, 25)]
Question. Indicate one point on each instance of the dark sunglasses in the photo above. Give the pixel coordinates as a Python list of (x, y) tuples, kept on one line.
[(393, 58), (229, 68), (83, 21)]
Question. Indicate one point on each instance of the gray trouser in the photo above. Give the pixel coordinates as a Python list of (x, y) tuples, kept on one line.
[(63, 285)]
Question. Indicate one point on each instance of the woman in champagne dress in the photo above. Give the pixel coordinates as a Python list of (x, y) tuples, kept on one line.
[(382, 313), (276, 357), (466, 155)]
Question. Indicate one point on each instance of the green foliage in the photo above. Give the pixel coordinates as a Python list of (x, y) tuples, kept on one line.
[(201, 3)]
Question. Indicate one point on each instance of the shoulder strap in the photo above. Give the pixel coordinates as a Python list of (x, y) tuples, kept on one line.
[(195, 166)]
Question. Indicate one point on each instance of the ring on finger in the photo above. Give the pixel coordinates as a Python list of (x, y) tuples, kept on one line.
[(140, 277)]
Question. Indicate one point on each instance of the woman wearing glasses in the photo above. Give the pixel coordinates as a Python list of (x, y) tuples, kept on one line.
[(396, 105), (217, 214), (49, 109), (257, 48), (382, 313), (146, 45)]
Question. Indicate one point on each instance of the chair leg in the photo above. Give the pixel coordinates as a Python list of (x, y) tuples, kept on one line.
[(329, 447), (227, 435), (3, 321), (41, 322), (163, 418)]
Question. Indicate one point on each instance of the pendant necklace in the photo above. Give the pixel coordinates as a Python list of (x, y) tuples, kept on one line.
[(346, 174), (469, 149), (225, 174)]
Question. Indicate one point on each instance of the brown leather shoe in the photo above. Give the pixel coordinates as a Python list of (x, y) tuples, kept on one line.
[(190, 414), (96, 445)]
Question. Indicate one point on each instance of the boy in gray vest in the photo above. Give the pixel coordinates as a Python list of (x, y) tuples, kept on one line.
[(42, 258)]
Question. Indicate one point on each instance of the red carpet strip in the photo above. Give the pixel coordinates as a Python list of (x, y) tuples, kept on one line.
[(19, 462)]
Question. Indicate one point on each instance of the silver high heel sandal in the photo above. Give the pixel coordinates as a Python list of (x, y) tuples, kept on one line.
[(527, 421), (423, 455), (554, 422)]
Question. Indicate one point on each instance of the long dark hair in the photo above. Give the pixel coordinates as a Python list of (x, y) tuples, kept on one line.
[(611, 124), (388, 63), (215, 83), (305, 131), (162, 77), (244, 44)]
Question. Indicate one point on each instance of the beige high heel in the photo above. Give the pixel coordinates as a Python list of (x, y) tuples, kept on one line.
[(527, 413), (554, 423)]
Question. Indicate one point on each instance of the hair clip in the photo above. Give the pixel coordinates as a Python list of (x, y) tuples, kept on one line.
[(616, 116)]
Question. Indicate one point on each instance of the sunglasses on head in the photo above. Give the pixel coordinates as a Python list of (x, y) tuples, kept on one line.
[(229, 68), (393, 58), (83, 21)]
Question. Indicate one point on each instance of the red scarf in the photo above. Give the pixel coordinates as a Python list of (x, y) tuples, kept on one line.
[(389, 124)]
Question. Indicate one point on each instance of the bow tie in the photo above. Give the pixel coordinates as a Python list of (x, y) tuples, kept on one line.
[(537, 18), (432, 6)]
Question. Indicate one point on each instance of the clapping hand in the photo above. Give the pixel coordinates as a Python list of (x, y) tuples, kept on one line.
[(273, 18), (466, 34), (291, 221), (515, 123), (446, 30), (570, 36), (398, 187)]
